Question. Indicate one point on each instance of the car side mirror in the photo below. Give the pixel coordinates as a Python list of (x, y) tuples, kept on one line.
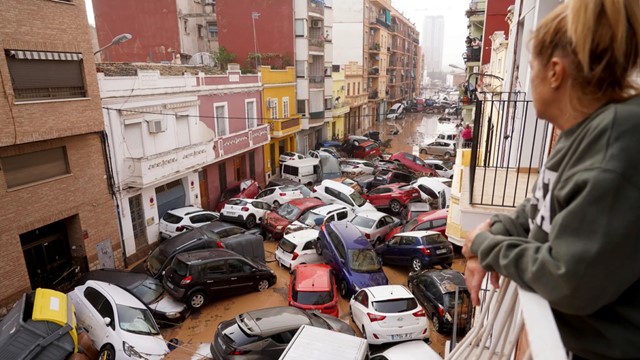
[(107, 321)]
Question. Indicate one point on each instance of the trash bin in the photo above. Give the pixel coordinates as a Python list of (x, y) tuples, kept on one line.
[(41, 326)]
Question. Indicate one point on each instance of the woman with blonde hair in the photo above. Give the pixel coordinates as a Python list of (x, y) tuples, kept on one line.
[(576, 240)]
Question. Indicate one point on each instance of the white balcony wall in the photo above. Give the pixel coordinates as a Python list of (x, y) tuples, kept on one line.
[(328, 86), (301, 9), (316, 101), (348, 18), (328, 54), (328, 16), (302, 49), (302, 89)]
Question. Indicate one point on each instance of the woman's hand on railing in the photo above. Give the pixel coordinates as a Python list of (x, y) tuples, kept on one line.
[(474, 273)]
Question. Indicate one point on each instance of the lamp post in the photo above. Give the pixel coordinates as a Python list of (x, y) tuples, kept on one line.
[(116, 41), (254, 16)]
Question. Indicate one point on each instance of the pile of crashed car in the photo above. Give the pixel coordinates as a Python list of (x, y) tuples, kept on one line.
[(333, 233)]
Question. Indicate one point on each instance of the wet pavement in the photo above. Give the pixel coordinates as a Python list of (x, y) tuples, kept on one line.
[(196, 332)]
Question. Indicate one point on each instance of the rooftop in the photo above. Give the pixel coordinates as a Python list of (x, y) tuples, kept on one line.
[(131, 69)]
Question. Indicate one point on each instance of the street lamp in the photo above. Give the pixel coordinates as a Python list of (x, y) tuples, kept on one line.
[(116, 41), (254, 16)]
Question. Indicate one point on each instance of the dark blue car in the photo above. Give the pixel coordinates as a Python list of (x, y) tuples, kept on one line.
[(329, 144), (417, 249), (351, 257)]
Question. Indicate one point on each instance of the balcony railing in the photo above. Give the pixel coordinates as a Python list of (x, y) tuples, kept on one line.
[(316, 6), (284, 127), (356, 100), (508, 147), (373, 95), (472, 54), (49, 93)]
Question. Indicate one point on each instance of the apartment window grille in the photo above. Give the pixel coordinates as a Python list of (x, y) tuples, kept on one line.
[(33, 167)]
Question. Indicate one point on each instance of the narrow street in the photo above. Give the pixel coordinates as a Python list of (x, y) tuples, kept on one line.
[(197, 332)]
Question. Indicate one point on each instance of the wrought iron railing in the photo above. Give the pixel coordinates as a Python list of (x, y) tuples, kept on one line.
[(49, 93), (508, 147)]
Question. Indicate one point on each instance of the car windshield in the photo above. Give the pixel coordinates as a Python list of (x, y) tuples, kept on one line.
[(364, 260), (310, 218), (433, 239), (394, 306), (288, 154), (312, 297), (148, 291), (363, 222), (419, 161), (287, 246), (136, 321), (155, 261), (288, 211), (357, 199), (410, 225), (179, 267)]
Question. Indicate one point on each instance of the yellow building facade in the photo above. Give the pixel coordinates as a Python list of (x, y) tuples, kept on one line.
[(279, 111), (336, 129)]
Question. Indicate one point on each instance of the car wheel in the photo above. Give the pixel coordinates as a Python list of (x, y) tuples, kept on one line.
[(423, 151), (276, 204), (395, 206), (196, 300), (436, 323), (318, 247), (344, 289), (250, 222), (447, 155), (107, 352), (416, 264), (263, 285)]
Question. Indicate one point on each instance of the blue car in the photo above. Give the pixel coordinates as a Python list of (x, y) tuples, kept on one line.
[(418, 249), (328, 144), (351, 257)]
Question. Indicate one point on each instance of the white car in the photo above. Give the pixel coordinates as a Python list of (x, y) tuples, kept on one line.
[(355, 167), (279, 195), (388, 313), (415, 349), (375, 225), (175, 221), (433, 190), (332, 192), (298, 248), (119, 325), (247, 211), (444, 148), (438, 166), (395, 112), (286, 156), (320, 215)]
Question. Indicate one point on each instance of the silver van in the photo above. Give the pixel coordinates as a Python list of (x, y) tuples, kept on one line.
[(311, 170)]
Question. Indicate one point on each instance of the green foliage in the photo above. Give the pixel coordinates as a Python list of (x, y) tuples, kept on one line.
[(224, 57)]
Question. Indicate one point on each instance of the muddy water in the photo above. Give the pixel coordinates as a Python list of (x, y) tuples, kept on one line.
[(197, 332)]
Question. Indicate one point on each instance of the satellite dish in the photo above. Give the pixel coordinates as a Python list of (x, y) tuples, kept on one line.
[(202, 58)]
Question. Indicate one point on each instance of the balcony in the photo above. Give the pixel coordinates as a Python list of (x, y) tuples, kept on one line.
[(316, 6), (476, 11), (316, 81), (472, 54), (316, 118), (280, 128), (374, 71), (356, 100), (374, 47), (379, 22), (373, 95), (316, 45), (340, 108)]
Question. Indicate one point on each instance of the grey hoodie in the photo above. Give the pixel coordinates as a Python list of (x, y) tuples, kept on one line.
[(576, 241)]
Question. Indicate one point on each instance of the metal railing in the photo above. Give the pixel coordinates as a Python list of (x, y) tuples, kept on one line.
[(508, 147), (49, 93)]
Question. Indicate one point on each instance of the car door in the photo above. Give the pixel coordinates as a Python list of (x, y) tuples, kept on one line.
[(407, 250), (385, 224), (215, 278), (428, 291), (261, 208), (359, 307), (91, 310), (391, 250), (378, 195), (201, 219), (242, 275), (266, 195)]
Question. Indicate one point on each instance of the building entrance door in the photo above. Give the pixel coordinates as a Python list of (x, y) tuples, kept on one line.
[(137, 222), (47, 254)]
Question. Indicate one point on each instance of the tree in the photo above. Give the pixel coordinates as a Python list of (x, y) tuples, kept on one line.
[(224, 57)]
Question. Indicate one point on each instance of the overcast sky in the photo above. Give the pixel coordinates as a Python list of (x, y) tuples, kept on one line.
[(455, 22)]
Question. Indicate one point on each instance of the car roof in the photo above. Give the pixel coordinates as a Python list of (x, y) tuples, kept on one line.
[(447, 279), (432, 215), (419, 206), (305, 203), (270, 321), (407, 349), (365, 143), (205, 254), (326, 209), (387, 292), (346, 189), (126, 279), (313, 277), (215, 226), (117, 294), (371, 214), (350, 235), (302, 236), (187, 210), (433, 161), (419, 233)]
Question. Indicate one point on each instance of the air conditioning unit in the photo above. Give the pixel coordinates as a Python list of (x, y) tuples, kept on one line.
[(157, 126), (272, 103), (316, 24)]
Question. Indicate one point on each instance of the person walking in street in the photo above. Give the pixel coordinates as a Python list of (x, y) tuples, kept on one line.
[(582, 216)]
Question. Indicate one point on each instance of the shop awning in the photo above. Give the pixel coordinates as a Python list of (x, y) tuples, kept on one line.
[(44, 55)]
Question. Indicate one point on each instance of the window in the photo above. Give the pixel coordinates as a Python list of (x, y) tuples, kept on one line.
[(301, 68), (348, 89), (300, 27), (237, 266), (182, 131), (216, 268), (186, 26), (212, 28), (33, 167), (222, 121), (45, 75), (201, 31), (273, 108), (285, 107), (302, 106), (250, 109), (327, 104), (202, 218)]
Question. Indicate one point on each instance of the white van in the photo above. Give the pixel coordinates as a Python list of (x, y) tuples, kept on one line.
[(302, 171), (313, 343)]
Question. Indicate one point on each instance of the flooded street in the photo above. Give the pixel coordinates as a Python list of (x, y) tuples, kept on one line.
[(197, 332)]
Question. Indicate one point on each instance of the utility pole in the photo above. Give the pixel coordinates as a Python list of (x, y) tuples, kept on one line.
[(254, 16)]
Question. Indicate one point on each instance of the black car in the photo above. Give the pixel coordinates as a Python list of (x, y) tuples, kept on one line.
[(265, 333), (383, 177), (217, 234), (436, 292), (165, 309), (196, 276)]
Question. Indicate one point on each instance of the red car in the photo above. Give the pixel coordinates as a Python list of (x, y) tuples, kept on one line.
[(435, 220), (393, 196), (313, 287), (247, 189), (367, 150), (275, 222), (414, 163)]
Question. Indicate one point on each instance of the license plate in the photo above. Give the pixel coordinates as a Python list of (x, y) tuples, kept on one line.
[(400, 336), (231, 213), (441, 251)]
